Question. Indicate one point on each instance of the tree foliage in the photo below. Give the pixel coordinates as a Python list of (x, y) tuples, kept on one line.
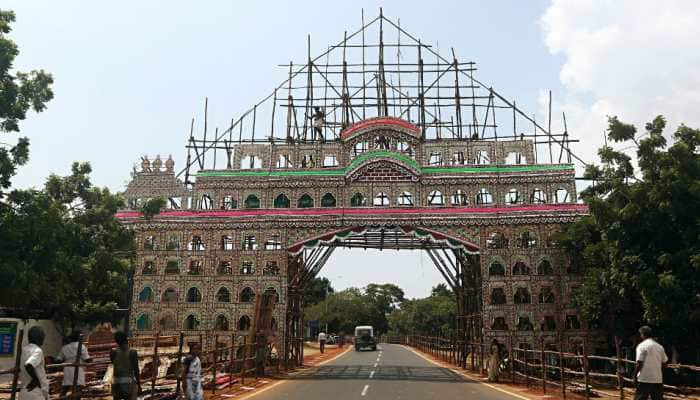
[(63, 252), (344, 310), (317, 291), (640, 247), (19, 93), (432, 315)]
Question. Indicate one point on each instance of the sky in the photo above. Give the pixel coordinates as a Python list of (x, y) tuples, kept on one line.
[(130, 75)]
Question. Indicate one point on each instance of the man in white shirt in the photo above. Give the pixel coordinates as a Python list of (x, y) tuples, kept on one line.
[(322, 341), (68, 355), (35, 386), (648, 376)]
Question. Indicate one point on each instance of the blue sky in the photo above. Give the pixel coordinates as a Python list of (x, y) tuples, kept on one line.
[(129, 75)]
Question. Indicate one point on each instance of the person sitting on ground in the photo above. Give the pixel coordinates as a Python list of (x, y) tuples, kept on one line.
[(126, 380), (192, 374), (32, 374), (68, 354)]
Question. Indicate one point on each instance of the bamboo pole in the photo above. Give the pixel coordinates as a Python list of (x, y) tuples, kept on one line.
[(216, 344), (620, 381), (585, 370), (77, 367), (543, 363), (561, 368), (155, 365), (178, 364), (18, 357)]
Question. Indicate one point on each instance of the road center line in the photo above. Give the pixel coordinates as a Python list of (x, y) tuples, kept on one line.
[(375, 365), (364, 390), (371, 375)]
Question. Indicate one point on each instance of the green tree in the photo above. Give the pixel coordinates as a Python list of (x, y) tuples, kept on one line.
[(433, 315), (640, 247), (63, 251), (317, 291), (19, 93)]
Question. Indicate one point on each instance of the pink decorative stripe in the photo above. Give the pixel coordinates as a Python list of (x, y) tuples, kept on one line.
[(379, 121), (357, 211)]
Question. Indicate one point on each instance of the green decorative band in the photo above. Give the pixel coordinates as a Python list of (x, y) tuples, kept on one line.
[(503, 169)]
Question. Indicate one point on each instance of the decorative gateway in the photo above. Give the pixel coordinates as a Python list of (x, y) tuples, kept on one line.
[(477, 202)]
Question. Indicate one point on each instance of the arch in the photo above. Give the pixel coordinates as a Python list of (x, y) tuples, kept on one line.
[(244, 323), (192, 322), (546, 295), (167, 322), (247, 295), (526, 240), (224, 268), (305, 201), (251, 162), (196, 268), (497, 240), (358, 200), (196, 244), (281, 201), (460, 198), (205, 202), (172, 267), (228, 203), (515, 158), (524, 323), (328, 200), (381, 200), (498, 296), (435, 198), (221, 323), (247, 267), (513, 197), (330, 161), (572, 322), (169, 295), (146, 295), (223, 295), (144, 323), (283, 161), (194, 295), (274, 293), (149, 268), (522, 296), (482, 158), (521, 268), (483, 196), (252, 201), (271, 268), (538, 196), (496, 268), (549, 323), (561, 196), (544, 267), (405, 199), (149, 242), (499, 324), (173, 243)]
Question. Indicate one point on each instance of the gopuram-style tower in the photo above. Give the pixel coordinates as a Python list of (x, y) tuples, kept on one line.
[(375, 143)]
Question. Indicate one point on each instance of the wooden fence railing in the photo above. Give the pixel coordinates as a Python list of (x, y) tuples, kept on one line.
[(229, 362), (555, 370)]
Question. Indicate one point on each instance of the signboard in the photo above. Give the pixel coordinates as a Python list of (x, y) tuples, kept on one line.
[(8, 335)]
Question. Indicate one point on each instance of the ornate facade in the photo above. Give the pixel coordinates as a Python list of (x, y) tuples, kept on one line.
[(244, 229)]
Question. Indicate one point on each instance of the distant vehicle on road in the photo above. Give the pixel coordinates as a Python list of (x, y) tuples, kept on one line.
[(364, 338)]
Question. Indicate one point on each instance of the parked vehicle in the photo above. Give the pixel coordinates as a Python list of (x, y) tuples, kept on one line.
[(364, 338)]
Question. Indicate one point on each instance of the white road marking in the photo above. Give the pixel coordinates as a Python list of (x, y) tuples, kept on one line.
[(371, 375), (375, 365), (364, 390)]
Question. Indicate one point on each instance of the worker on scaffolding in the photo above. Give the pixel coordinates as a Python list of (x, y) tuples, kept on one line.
[(317, 121)]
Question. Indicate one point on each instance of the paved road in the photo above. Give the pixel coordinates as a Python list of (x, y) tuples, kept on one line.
[(390, 373)]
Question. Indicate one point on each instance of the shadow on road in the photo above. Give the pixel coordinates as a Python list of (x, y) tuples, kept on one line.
[(386, 372)]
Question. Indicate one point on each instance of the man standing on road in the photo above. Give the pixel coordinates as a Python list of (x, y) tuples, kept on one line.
[(35, 386), (648, 377), (69, 354), (322, 341)]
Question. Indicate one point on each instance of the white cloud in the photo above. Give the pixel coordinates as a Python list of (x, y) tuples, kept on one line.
[(631, 58)]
